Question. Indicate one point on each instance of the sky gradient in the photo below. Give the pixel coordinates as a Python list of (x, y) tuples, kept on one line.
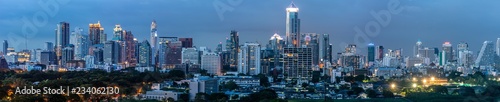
[(431, 21)]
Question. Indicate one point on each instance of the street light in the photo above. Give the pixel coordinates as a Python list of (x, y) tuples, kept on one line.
[(414, 79), (425, 80), (433, 79), (414, 85), (393, 85)]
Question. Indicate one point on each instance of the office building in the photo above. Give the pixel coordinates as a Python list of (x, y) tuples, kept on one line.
[(448, 52), (67, 54), (49, 46), (4, 47), (203, 85), (232, 45), (145, 54), (190, 55), (371, 52), (96, 33), (81, 43), (112, 53), (293, 26), (487, 55), (186, 42), (312, 40)]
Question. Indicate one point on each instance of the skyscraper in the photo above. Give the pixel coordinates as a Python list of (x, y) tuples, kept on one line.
[(297, 62), (371, 52), (416, 49), (233, 47), (67, 54), (498, 47), (190, 55), (62, 38), (186, 42), (448, 51), (326, 48), (118, 33), (153, 41), (112, 51), (96, 33), (249, 59), (312, 40), (81, 43), (145, 54), (293, 26), (5, 46), (276, 44), (49, 46), (130, 44), (487, 55), (379, 53), (464, 56)]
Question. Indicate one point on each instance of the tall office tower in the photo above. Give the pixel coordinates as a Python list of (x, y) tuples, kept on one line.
[(249, 59), (218, 50), (276, 44), (448, 51), (154, 41), (312, 40), (62, 38), (233, 46), (416, 49), (118, 33), (351, 48), (97, 51), (211, 63), (130, 50), (145, 54), (49, 46), (487, 55), (89, 61), (297, 62), (67, 54), (35, 55), (47, 57), (112, 52), (498, 47), (81, 43), (162, 49), (326, 50), (5, 46), (96, 33), (293, 26), (379, 51), (371, 52), (428, 53), (23, 56), (190, 55), (186, 42)]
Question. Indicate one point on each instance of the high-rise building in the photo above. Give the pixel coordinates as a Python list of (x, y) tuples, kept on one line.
[(326, 48), (118, 33), (448, 51), (351, 48), (186, 42), (62, 38), (297, 62), (211, 63), (47, 57), (130, 49), (416, 49), (49, 46), (96, 33), (312, 40), (35, 55), (81, 43), (98, 53), (112, 53), (154, 41), (276, 44), (145, 54), (67, 54), (379, 51), (190, 55), (371, 52), (487, 55), (249, 59), (218, 50), (5, 46), (293, 26), (427, 53), (498, 47), (233, 46)]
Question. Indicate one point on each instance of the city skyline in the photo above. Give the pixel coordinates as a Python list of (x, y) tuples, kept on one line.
[(424, 20)]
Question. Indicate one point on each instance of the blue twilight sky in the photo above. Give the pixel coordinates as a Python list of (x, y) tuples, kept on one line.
[(431, 21)]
